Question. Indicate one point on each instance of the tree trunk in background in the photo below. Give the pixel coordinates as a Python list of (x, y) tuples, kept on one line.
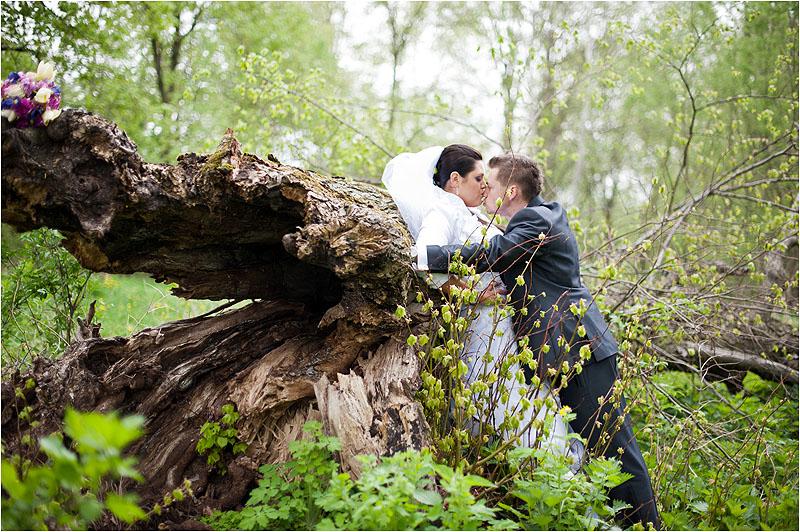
[(324, 260)]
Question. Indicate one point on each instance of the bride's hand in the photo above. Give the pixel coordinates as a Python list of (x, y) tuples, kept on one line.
[(453, 281), (490, 293)]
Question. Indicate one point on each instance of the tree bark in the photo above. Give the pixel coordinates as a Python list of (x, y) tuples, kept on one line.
[(325, 261)]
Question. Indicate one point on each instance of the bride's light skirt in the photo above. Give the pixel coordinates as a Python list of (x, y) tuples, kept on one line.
[(493, 335)]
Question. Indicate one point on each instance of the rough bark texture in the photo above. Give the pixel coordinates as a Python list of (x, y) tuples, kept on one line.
[(326, 260)]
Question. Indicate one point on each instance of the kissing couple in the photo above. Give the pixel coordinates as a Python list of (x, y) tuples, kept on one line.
[(534, 262)]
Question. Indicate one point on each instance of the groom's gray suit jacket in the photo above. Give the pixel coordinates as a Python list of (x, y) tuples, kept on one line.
[(539, 248)]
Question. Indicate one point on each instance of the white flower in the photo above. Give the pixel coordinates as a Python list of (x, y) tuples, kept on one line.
[(43, 95), (9, 114), (45, 72), (15, 91), (50, 115)]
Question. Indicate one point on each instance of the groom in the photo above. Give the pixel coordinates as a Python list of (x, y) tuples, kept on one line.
[(537, 258)]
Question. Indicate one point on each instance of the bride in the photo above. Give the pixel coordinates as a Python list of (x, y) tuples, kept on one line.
[(437, 192)]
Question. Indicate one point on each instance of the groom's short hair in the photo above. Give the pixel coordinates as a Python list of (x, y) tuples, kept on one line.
[(519, 170)]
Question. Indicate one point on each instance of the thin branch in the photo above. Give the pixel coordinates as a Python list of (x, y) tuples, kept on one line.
[(431, 114), (689, 138), (688, 205), (742, 97), (760, 182), (755, 200), (156, 48), (327, 112)]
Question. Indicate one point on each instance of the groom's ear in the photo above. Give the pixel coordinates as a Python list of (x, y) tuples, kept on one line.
[(512, 192)]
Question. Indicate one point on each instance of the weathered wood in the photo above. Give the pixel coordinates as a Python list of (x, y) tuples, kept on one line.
[(377, 396), (228, 225), (711, 357), (326, 258)]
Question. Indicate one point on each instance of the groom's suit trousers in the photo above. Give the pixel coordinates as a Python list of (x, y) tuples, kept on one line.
[(538, 260), (608, 431)]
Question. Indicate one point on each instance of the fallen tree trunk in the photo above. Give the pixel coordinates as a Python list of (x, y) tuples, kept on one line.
[(324, 259), (720, 361)]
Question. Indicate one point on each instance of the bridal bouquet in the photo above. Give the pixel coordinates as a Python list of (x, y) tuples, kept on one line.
[(31, 99)]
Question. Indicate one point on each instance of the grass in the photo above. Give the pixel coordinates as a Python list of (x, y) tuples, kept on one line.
[(129, 303)]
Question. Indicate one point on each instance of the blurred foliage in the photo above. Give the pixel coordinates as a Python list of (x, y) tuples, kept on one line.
[(71, 490), (165, 72), (129, 303), (44, 291)]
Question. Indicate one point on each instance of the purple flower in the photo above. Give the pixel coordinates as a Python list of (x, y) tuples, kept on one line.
[(22, 107), (28, 83), (18, 102)]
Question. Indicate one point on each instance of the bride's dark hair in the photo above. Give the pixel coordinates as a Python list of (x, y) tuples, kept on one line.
[(455, 158)]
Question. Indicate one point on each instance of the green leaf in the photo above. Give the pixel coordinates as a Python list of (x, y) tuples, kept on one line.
[(239, 447), (326, 524), (735, 507), (475, 480), (54, 448), (430, 498), (126, 468), (89, 507), (553, 500), (10, 480), (125, 507), (101, 432), (443, 471)]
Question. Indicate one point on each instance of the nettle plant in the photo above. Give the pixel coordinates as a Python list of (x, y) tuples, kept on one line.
[(72, 489), (411, 490), (286, 496)]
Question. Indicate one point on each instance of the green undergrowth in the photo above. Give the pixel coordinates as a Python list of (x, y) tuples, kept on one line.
[(721, 460), (73, 488), (45, 291), (411, 490)]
